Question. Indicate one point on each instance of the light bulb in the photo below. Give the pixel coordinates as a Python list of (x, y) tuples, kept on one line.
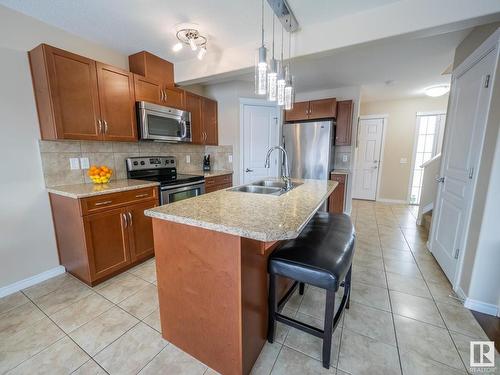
[(281, 91), (177, 47), (192, 44), (201, 53)]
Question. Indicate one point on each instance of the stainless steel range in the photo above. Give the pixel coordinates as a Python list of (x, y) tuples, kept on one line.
[(163, 169)]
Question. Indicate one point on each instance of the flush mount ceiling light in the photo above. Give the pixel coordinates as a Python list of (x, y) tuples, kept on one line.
[(436, 91), (190, 36)]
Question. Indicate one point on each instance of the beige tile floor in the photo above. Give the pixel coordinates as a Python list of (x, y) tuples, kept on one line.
[(401, 321)]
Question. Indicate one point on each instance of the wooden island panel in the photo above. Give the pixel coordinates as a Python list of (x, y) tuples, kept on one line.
[(212, 290)]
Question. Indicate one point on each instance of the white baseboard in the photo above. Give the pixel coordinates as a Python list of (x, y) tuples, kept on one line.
[(25, 283), (384, 200), (482, 307)]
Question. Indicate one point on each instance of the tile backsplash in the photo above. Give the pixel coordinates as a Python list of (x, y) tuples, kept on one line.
[(343, 156), (56, 154)]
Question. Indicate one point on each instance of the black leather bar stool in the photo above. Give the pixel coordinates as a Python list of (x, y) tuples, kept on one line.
[(320, 256)]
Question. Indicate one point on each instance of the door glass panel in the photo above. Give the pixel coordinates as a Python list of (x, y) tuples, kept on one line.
[(163, 126)]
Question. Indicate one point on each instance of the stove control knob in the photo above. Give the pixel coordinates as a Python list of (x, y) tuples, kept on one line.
[(136, 163), (142, 162)]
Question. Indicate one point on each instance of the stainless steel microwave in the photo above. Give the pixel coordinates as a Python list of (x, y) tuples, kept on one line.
[(160, 123)]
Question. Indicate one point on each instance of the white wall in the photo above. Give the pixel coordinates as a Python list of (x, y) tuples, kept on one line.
[(27, 241)]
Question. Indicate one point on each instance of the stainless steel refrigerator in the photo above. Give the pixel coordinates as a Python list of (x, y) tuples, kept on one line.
[(310, 149)]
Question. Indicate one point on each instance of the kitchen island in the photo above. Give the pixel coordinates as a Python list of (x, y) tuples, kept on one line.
[(211, 255)]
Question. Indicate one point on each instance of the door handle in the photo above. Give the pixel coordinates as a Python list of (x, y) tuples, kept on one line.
[(164, 95), (161, 95), (103, 203), (105, 127), (124, 218), (130, 222), (375, 167), (248, 170), (99, 123), (141, 195), (439, 179)]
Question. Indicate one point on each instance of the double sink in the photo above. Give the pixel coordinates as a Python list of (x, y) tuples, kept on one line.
[(270, 187)]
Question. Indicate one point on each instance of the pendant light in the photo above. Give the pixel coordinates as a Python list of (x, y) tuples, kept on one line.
[(289, 89), (281, 77), (272, 76), (261, 64)]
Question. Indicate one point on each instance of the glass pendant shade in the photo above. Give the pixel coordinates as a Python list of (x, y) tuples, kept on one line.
[(192, 44), (289, 94), (272, 81), (281, 84), (261, 72)]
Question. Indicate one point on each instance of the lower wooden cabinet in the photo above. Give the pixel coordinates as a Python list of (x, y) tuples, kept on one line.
[(337, 199), (218, 183), (97, 243)]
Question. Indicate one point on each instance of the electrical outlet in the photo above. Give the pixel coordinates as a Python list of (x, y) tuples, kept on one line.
[(403, 161), (188, 159), (230, 157), (74, 163), (84, 163), (344, 158)]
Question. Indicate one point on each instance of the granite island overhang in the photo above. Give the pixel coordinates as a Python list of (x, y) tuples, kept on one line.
[(211, 256)]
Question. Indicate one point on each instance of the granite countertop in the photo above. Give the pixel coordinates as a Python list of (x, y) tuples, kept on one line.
[(257, 216), (88, 190), (214, 173)]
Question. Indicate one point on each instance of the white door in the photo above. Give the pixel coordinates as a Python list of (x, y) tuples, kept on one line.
[(368, 158), (463, 143), (260, 132)]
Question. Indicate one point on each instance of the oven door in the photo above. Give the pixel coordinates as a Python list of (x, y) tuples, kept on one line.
[(163, 123), (181, 192)]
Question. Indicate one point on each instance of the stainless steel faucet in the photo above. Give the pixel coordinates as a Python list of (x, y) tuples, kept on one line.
[(285, 171)]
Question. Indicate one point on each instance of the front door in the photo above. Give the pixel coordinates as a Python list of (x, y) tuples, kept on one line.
[(260, 133), (368, 158), (466, 123)]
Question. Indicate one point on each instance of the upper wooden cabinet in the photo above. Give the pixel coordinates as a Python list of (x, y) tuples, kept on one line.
[(204, 128), (117, 103), (147, 89), (344, 123), (78, 98), (193, 105), (155, 69), (312, 110), (150, 66), (209, 121)]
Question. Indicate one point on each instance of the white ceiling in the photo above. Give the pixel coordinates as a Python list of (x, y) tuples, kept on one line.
[(130, 26), (340, 43)]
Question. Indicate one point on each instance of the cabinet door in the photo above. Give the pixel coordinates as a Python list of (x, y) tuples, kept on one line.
[(74, 94), (209, 120), (336, 200), (193, 105), (325, 108), (147, 90), (300, 111), (173, 97), (107, 239), (117, 103), (140, 230), (151, 66), (344, 123)]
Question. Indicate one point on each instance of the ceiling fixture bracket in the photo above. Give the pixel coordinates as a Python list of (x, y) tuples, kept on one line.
[(285, 15)]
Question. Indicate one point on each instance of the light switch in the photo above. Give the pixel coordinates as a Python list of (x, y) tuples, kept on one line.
[(188, 159), (74, 163), (84, 163), (230, 157), (403, 161)]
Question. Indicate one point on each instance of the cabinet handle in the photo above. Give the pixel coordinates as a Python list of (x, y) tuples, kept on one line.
[(99, 123), (130, 218), (105, 127), (161, 95), (141, 195), (124, 218), (103, 203), (165, 94)]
